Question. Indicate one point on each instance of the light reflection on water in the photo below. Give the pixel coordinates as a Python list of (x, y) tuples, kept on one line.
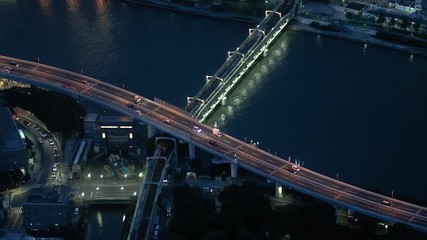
[(240, 98)]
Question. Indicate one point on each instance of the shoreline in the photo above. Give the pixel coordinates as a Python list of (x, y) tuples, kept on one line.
[(197, 11), (364, 38), (296, 25)]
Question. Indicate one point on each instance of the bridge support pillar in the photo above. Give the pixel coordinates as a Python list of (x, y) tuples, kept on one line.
[(191, 151), (151, 131), (233, 170), (337, 214), (279, 190), (224, 101)]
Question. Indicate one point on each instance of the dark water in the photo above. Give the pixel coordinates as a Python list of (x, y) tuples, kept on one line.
[(339, 107), (328, 102), (105, 222)]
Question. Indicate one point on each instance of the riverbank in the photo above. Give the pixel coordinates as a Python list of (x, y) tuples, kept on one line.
[(364, 36), (198, 11)]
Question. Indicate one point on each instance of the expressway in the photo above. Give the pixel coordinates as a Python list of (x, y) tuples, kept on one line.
[(244, 155)]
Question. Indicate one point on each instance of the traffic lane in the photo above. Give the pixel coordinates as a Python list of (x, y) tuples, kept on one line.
[(262, 157), (348, 198)]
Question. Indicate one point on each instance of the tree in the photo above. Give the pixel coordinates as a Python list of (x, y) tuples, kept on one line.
[(381, 19), (392, 22)]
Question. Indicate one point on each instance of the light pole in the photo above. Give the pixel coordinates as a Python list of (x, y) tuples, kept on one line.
[(392, 193), (337, 175), (102, 178), (88, 176), (126, 176), (140, 175)]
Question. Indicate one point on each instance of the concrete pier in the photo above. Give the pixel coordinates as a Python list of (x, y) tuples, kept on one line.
[(233, 170), (279, 190), (191, 151), (151, 131)]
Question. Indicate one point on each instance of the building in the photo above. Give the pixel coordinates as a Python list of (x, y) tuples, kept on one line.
[(355, 8), (47, 210), (13, 152), (110, 132), (424, 7)]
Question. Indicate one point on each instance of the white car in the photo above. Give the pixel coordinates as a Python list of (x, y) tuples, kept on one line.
[(197, 129)]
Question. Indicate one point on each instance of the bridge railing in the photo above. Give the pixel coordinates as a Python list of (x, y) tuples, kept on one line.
[(205, 109)]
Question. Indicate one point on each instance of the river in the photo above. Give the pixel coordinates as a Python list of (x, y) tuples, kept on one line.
[(343, 109)]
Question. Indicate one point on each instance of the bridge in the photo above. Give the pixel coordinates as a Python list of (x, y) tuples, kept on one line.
[(240, 61), (237, 152)]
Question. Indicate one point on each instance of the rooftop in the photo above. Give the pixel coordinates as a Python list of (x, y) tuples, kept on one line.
[(49, 195), (356, 6), (9, 136), (115, 119), (91, 117)]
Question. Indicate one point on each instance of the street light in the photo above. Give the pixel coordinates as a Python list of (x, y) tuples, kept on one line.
[(337, 175), (126, 177), (88, 175), (392, 193), (102, 178)]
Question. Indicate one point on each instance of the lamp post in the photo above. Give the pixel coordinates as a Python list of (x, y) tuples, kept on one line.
[(337, 175), (140, 175), (88, 176), (126, 176), (102, 178), (392, 193)]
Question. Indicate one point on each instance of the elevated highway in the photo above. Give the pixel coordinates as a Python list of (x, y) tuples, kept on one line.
[(236, 151)]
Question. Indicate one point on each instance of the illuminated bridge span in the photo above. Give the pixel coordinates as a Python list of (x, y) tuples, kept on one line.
[(239, 61), (236, 151)]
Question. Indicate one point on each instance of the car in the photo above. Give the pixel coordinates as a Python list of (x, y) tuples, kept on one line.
[(66, 86), (27, 123), (207, 190), (197, 129), (86, 82), (294, 169), (130, 105), (53, 175), (55, 168), (54, 147), (76, 211), (388, 203), (155, 235), (213, 143), (43, 134), (56, 153), (137, 99), (168, 210), (167, 121), (37, 128), (14, 64), (51, 142), (138, 112), (40, 140)]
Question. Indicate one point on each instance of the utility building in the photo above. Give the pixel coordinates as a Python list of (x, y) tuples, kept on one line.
[(48, 210), (110, 132), (13, 153)]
